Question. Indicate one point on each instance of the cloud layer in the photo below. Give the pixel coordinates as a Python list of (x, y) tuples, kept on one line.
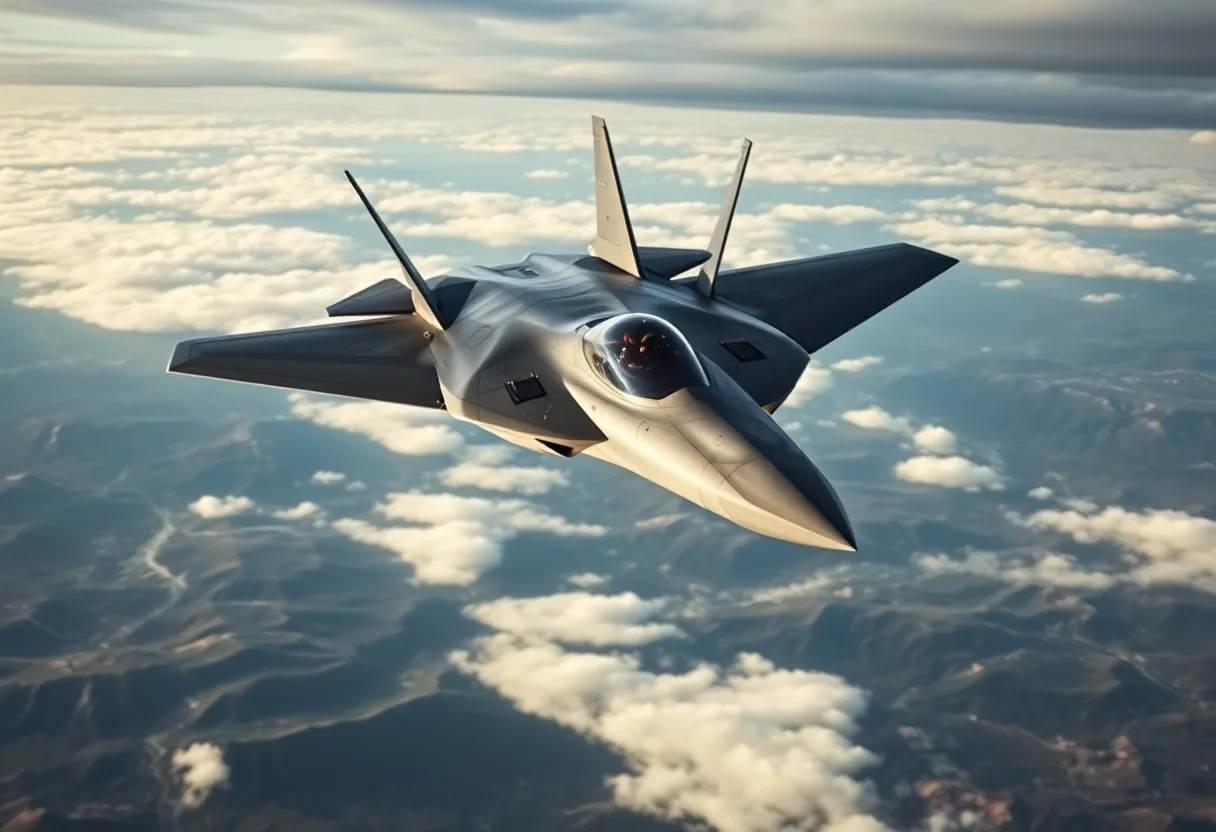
[(744, 748), (1110, 61)]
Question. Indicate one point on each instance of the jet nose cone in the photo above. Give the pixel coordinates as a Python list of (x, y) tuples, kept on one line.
[(791, 500)]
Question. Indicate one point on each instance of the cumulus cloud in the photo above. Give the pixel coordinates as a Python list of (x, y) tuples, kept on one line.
[(1204, 137), (547, 174), (1103, 298), (949, 472), (327, 478), (1029, 248), (412, 431), (1007, 283), (745, 748), (1166, 546), (200, 768), (212, 507), (934, 439), (856, 365), (936, 462), (813, 381), (875, 418), (1041, 492), (297, 512), (452, 539), (521, 479), (1042, 569), (578, 618)]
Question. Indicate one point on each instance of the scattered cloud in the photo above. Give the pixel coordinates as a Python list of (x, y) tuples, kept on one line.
[(547, 174), (1042, 569), (412, 431), (200, 769), (523, 480), (212, 507), (588, 580), (1167, 546), (856, 365), (1028, 248), (875, 418), (578, 618), (327, 478), (1103, 298), (452, 539), (1204, 137), (298, 512), (745, 748), (1007, 283), (1041, 492), (949, 472), (1082, 196), (934, 439), (659, 521), (813, 381)]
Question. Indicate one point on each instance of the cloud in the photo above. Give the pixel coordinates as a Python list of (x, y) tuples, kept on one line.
[(1104, 298), (1007, 283), (745, 748), (588, 580), (659, 521), (578, 618), (856, 365), (813, 381), (411, 431), (815, 585), (212, 507), (1167, 546), (547, 174), (1087, 197), (1042, 569), (297, 512), (1112, 62), (200, 768), (1204, 137), (949, 472), (327, 478), (934, 439), (1030, 249), (1092, 218), (452, 539), (524, 480), (1041, 492), (875, 418)]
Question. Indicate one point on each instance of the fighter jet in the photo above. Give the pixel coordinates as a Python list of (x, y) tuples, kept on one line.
[(621, 354)]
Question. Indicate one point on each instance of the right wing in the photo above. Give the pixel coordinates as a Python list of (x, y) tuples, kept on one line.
[(815, 301), (388, 360)]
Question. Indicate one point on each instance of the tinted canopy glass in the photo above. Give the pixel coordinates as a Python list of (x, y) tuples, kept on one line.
[(643, 356)]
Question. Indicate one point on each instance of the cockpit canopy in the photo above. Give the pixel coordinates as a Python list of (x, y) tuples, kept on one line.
[(643, 355)]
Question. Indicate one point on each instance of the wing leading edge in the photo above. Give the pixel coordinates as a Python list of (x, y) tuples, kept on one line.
[(387, 360), (816, 300)]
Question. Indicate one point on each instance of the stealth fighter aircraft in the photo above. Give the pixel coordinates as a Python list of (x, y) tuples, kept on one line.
[(617, 354)]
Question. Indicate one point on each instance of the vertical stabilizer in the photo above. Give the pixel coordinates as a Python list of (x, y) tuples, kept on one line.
[(614, 240), (709, 270), (425, 304)]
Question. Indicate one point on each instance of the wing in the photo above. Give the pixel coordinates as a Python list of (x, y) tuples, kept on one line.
[(815, 301), (388, 360)]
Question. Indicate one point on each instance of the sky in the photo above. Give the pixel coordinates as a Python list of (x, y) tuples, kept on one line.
[(1101, 62), (176, 168)]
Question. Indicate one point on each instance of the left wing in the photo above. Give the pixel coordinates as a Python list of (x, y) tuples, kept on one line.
[(387, 359), (815, 301)]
